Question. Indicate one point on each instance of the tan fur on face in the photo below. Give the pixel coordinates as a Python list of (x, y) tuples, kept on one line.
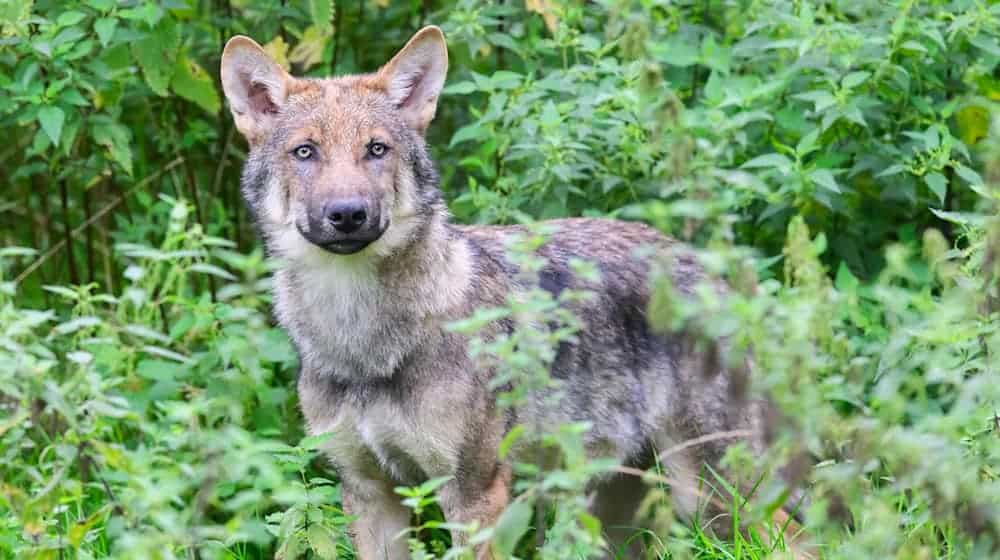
[(340, 118)]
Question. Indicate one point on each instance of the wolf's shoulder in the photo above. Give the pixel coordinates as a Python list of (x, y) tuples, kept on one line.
[(623, 253)]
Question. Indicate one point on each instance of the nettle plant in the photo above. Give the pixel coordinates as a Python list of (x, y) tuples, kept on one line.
[(864, 122), (858, 116), (148, 422), (558, 133), (521, 361), (72, 71)]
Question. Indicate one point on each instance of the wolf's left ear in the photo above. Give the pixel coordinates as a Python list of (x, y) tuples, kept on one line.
[(414, 77), (255, 85)]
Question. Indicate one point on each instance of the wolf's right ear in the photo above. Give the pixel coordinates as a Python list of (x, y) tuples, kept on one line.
[(255, 85), (414, 77)]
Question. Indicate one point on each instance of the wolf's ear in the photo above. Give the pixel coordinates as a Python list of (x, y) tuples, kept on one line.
[(414, 77), (255, 85)]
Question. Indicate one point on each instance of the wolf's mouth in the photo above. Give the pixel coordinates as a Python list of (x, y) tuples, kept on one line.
[(346, 246), (340, 243)]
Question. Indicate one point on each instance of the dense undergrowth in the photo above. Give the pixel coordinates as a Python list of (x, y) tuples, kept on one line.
[(837, 162)]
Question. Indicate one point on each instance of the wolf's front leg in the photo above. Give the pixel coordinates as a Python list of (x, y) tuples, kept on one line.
[(380, 518), (477, 496)]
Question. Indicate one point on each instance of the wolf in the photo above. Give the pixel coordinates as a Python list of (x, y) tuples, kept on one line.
[(371, 270)]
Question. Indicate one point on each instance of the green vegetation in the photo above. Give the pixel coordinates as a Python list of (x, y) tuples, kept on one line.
[(837, 162)]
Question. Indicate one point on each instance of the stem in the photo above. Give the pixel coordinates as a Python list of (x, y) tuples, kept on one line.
[(424, 8), (109, 272), (67, 234), (39, 241), (89, 237), (336, 37), (100, 214)]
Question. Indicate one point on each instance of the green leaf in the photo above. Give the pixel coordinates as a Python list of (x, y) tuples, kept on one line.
[(160, 370), (511, 526), (825, 179), (105, 29), (193, 83), (321, 11), (677, 52), (80, 50), (938, 185), (931, 138), (316, 441), (461, 88), (429, 487), (714, 55), (309, 51), (846, 281), (969, 175), (116, 138), (79, 530), (807, 144), (213, 270), (961, 218), (509, 440), (591, 524), (322, 542), (292, 547), (821, 99), (150, 13), (891, 170), (469, 132), (986, 43), (52, 118), (62, 291), (774, 160), (157, 54), (504, 79), (550, 115), (854, 79), (73, 97), (71, 17), (101, 5), (68, 35), (15, 16), (479, 319), (973, 123)]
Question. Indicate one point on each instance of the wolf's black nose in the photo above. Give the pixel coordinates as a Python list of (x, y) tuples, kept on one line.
[(347, 215)]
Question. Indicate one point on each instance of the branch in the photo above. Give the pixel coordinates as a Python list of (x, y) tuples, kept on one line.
[(93, 219)]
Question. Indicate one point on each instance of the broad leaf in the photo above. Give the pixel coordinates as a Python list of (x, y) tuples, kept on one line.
[(938, 184), (511, 526), (157, 54), (52, 118), (105, 29), (322, 14), (193, 83)]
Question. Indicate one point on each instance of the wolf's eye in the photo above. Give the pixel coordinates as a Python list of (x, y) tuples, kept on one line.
[(377, 149), (303, 152)]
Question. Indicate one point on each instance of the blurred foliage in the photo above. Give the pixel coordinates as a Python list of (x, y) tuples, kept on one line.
[(837, 162)]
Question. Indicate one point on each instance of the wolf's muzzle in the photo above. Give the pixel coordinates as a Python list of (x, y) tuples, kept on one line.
[(343, 226), (346, 216)]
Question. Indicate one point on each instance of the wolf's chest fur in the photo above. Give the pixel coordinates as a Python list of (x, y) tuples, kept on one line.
[(338, 316), (378, 369), (353, 321)]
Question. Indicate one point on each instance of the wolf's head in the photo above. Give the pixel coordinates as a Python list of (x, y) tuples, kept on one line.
[(337, 165)]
